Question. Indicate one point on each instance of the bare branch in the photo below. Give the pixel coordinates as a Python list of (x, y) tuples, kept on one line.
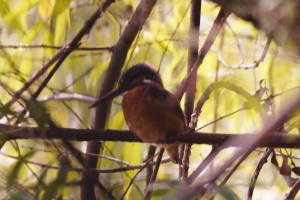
[(151, 153), (277, 140), (219, 118), (117, 60), (33, 46), (148, 161), (231, 172), (237, 42), (269, 128), (217, 26), (214, 152), (241, 65), (210, 89), (292, 193), (90, 154), (261, 163), (193, 46), (79, 169), (149, 188), (278, 154)]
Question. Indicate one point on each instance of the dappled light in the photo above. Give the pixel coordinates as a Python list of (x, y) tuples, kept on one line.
[(188, 99)]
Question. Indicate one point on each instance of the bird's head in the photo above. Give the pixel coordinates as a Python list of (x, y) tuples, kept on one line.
[(139, 74)]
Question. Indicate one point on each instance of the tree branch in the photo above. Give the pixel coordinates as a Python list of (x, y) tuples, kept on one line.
[(117, 60), (191, 137), (217, 26), (32, 46), (270, 126), (193, 45)]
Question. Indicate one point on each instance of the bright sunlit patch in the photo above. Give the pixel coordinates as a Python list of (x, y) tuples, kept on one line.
[(147, 35), (20, 48)]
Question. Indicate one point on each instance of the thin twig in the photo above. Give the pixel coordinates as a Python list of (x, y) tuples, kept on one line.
[(281, 93), (32, 46), (237, 42), (277, 154), (292, 193), (6, 89), (76, 115), (34, 77), (261, 163), (219, 118), (217, 94), (214, 152), (244, 66), (214, 86), (149, 188), (79, 169), (60, 56), (231, 172), (217, 26), (90, 154), (68, 96), (269, 128), (148, 161)]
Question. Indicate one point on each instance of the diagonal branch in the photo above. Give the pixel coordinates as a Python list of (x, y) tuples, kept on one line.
[(64, 50), (262, 161), (117, 60), (149, 188), (217, 26), (270, 126)]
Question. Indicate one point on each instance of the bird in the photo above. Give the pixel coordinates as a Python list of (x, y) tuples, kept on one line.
[(150, 111)]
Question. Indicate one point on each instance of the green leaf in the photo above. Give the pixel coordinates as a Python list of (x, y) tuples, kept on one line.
[(23, 21), (97, 72), (61, 6), (60, 180), (39, 113), (5, 11), (34, 30), (26, 64), (24, 6), (48, 40), (5, 110), (40, 183), (61, 24), (14, 173), (132, 154), (226, 193), (46, 8), (160, 192)]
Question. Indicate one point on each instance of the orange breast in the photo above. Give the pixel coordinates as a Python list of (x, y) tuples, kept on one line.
[(152, 115)]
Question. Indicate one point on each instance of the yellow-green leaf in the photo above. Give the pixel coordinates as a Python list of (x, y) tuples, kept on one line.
[(12, 21), (48, 40), (46, 8), (61, 25), (35, 29)]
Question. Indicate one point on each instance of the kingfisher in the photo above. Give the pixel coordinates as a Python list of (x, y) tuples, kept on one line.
[(150, 111)]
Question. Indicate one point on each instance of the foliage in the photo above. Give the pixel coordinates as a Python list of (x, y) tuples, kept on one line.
[(32, 31)]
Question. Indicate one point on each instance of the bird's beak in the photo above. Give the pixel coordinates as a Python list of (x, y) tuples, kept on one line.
[(107, 97), (116, 92)]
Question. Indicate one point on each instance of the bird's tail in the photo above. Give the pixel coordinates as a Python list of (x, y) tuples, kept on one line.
[(173, 151)]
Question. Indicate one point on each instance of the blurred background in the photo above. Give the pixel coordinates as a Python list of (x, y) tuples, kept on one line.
[(27, 27)]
